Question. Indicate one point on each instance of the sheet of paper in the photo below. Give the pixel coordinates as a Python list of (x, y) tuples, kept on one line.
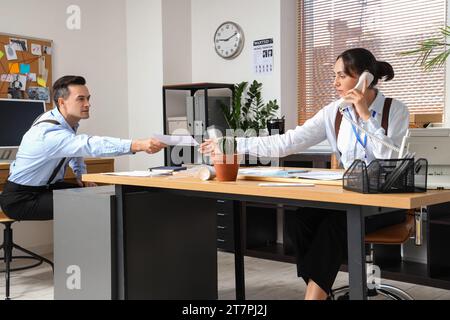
[(25, 68), (19, 44), (10, 52), (41, 82), (6, 78), (14, 68), (320, 175), (176, 140), (32, 77), (270, 172), (36, 49), (145, 173)]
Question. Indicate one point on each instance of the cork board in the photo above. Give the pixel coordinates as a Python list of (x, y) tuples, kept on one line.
[(26, 68)]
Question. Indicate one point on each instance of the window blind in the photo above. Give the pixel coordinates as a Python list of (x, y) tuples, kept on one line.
[(326, 28)]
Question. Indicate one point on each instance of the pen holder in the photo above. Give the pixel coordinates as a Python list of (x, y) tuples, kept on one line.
[(387, 176)]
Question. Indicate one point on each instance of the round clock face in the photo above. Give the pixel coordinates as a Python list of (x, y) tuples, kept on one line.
[(229, 40)]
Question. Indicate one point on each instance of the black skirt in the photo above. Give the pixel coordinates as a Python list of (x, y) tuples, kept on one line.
[(319, 238)]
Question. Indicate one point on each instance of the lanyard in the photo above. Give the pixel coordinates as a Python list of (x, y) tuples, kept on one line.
[(358, 137)]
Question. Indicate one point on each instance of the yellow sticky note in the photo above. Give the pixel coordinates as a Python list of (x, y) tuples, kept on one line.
[(41, 82), (1, 54), (14, 68)]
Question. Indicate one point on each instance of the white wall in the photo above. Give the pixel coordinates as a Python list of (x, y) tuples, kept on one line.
[(97, 51), (145, 75), (177, 52), (259, 19)]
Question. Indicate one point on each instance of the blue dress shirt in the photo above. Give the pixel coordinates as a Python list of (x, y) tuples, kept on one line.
[(46, 144)]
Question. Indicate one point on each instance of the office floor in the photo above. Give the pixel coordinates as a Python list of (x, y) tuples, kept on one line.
[(264, 280)]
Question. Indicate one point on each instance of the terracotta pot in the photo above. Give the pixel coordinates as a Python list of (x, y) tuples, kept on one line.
[(227, 166)]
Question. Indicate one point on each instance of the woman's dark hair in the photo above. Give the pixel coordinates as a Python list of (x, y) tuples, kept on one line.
[(357, 60), (61, 87)]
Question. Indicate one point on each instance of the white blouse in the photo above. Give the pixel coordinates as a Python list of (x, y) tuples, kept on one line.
[(347, 148)]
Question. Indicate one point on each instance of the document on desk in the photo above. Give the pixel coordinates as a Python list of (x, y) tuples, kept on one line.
[(320, 175), (268, 172), (145, 173), (185, 141)]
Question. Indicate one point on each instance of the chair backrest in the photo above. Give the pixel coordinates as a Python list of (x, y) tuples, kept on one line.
[(4, 218), (394, 234)]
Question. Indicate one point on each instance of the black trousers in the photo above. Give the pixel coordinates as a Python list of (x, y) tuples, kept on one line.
[(319, 237), (25, 203)]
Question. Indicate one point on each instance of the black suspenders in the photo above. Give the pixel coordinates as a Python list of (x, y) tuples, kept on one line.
[(60, 164)]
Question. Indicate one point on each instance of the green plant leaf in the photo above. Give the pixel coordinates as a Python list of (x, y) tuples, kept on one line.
[(428, 47)]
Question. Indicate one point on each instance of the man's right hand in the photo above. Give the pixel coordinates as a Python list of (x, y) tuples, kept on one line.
[(148, 145)]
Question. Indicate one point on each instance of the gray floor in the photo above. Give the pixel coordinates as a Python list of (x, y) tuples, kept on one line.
[(265, 280)]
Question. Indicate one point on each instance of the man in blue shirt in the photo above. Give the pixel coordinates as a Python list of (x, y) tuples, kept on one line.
[(50, 145)]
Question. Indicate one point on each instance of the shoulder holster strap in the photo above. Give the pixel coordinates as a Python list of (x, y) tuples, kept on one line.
[(60, 164)]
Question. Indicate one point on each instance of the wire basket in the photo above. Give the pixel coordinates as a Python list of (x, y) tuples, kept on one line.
[(387, 176)]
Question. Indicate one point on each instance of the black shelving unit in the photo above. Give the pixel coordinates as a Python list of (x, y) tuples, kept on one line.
[(193, 88)]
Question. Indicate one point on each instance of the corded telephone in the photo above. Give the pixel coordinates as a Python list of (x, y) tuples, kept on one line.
[(366, 75), (401, 167)]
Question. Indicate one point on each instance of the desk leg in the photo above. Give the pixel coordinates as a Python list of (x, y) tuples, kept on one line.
[(356, 254), (239, 253)]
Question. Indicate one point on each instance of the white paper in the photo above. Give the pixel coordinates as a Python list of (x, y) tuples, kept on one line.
[(320, 175), (19, 44), (176, 140), (36, 49), (263, 56), (6, 78), (10, 52), (136, 174), (32, 77)]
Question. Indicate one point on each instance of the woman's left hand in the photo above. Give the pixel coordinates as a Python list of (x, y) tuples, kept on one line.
[(358, 99)]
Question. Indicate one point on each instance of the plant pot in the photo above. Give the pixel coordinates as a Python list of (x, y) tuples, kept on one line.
[(227, 166)]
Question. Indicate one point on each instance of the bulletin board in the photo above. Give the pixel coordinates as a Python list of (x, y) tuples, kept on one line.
[(26, 68)]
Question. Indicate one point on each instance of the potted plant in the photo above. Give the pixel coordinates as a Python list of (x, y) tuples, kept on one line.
[(226, 160), (248, 112)]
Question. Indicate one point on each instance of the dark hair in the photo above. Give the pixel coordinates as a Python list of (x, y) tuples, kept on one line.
[(357, 60), (61, 87)]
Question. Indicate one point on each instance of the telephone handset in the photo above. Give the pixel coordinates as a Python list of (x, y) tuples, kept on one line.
[(366, 75)]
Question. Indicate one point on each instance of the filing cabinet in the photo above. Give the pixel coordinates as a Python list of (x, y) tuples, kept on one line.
[(225, 225)]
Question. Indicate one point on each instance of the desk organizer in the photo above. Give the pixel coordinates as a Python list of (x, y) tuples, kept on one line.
[(387, 176)]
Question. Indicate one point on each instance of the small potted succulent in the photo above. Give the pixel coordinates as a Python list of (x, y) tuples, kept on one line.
[(225, 159)]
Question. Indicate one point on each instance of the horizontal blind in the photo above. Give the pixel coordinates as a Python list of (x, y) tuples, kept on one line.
[(326, 28)]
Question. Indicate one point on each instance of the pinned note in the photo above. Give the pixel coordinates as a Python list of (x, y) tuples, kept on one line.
[(10, 52), (14, 68), (6, 78), (1, 54), (25, 68), (32, 77), (36, 49), (41, 82)]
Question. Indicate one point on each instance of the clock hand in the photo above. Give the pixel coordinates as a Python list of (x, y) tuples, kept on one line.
[(228, 38)]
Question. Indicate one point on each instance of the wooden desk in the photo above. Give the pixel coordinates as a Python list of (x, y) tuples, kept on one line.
[(186, 191), (93, 166)]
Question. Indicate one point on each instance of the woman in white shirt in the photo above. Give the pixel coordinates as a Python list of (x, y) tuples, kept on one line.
[(320, 236)]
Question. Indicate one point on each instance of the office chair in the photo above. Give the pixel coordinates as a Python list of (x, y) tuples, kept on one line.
[(8, 246), (396, 234)]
